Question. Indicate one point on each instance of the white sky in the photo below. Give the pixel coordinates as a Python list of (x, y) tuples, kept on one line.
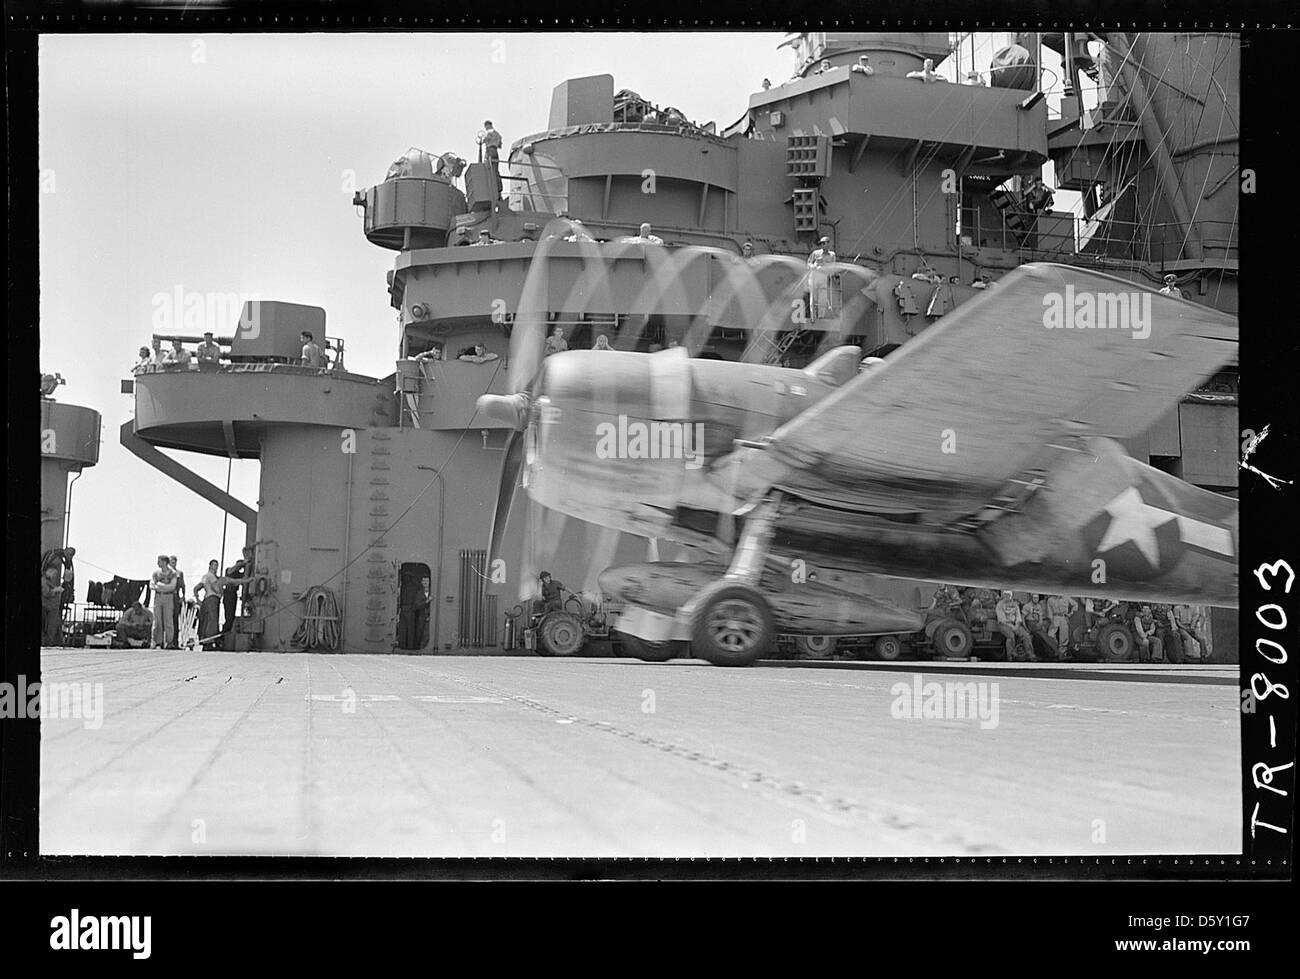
[(219, 163)]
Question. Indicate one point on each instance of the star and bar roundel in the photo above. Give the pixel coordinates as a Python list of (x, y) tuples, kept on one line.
[(1141, 534)]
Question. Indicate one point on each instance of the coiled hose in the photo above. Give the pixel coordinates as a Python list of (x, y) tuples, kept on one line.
[(320, 620)]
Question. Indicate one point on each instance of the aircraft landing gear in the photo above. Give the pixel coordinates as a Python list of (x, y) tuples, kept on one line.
[(730, 620), (732, 624)]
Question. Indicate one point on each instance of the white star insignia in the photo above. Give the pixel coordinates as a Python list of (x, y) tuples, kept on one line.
[(1133, 519)]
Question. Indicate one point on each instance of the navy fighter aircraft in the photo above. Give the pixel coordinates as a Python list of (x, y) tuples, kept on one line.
[(981, 453)]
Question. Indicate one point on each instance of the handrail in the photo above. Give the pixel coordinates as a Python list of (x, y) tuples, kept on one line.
[(246, 367), (1137, 234)]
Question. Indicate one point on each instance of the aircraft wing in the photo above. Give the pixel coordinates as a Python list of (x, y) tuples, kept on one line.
[(986, 402)]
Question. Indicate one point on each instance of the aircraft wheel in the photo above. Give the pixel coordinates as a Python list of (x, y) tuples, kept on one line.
[(888, 647), (1115, 643), (732, 625), (815, 647), (952, 638), (560, 634), (652, 652)]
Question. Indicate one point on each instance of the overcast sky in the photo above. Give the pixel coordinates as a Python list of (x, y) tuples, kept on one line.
[(225, 164)]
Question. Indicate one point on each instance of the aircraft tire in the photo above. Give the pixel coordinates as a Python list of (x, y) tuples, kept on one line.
[(652, 652), (732, 625), (887, 648), (1115, 643), (560, 634), (815, 647), (952, 638)]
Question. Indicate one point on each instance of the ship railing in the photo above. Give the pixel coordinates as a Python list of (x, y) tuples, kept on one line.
[(335, 344), (161, 341), (1135, 241), (227, 362)]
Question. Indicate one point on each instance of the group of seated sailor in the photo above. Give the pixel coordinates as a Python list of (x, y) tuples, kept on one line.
[(1040, 627)]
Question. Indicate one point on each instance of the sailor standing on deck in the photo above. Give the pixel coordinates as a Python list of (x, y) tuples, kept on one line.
[(230, 592), (927, 73), (209, 351), (250, 571), (644, 236), (311, 353), (491, 142), (1059, 610), (210, 610), (818, 277), (822, 255), (51, 610), (163, 583), (178, 355), (179, 603), (1171, 287), (61, 560)]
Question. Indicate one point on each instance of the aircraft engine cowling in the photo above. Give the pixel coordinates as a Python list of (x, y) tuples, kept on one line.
[(612, 440), (629, 440)]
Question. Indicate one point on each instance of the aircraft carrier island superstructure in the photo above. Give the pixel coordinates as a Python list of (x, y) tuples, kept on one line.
[(69, 444), (378, 492)]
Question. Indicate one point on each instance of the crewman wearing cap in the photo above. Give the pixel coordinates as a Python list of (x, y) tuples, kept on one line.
[(1171, 287), (551, 590), (209, 351), (821, 257)]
